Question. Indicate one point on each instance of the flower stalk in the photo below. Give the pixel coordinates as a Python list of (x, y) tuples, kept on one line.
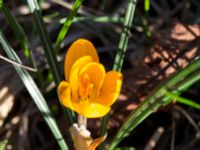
[(82, 121)]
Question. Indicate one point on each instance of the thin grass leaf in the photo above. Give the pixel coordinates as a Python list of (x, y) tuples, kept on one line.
[(3, 145), (147, 5), (16, 27), (122, 47), (183, 100), (48, 49), (101, 19), (34, 92), (157, 98), (67, 24), (1, 4)]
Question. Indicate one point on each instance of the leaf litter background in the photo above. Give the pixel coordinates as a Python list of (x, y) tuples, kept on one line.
[(162, 41)]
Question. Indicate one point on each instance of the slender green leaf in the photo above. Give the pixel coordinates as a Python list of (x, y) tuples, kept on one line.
[(21, 37), (1, 4), (122, 47), (183, 100), (48, 49), (3, 145), (67, 24), (157, 98), (34, 92), (101, 19), (146, 5)]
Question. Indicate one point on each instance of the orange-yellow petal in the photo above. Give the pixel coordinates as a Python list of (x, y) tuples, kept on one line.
[(110, 89), (96, 142), (64, 93), (73, 80), (78, 49), (96, 74), (91, 110)]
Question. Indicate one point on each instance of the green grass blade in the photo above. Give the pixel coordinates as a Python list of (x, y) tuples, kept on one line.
[(183, 100), (122, 47), (157, 98), (101, 19), (3, 145), (67, 24), (1, 4), (48, 49), (16, 27), (34, 92), (147, 5)]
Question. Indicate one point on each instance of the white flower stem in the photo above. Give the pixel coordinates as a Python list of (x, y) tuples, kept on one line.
[(82, 121)]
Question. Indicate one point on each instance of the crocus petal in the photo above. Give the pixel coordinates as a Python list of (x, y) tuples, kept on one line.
[(91, 110), (65, 94), (96, 73), (74, 74), (77, 50), (96, 142), (110, 88)]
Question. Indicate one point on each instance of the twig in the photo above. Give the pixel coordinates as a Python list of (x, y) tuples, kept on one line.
[(154, 139), (68, 6), (188, 117), (17, 64), (173, 129)]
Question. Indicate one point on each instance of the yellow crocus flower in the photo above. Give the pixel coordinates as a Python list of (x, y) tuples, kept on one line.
[(88, 89)]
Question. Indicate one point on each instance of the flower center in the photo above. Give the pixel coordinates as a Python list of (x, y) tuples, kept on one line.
[(85, 88)]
